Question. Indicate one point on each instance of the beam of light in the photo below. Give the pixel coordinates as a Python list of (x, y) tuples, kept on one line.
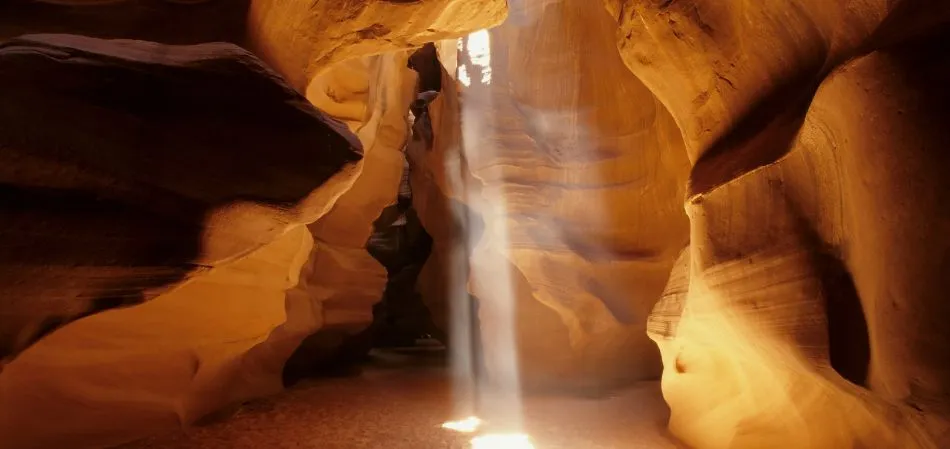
[(502, 441), (477, 49), (467, 425), (463, 76), (497, 400), (462, 330), (461, 315), (479, 52)]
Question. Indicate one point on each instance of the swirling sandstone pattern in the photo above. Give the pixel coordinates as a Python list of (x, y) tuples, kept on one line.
[(813, 317), (128, 169), (224, 337), (298, 39), (807, 138), (118, 204), (579, 177)]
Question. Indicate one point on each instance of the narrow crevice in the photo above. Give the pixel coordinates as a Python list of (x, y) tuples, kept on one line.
[(399, 241), (849, 347), (402, 246), (400, 319)]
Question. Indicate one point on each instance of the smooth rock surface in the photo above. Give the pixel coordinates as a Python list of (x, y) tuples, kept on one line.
[(128, 373), (127, 167), (807, 138), (342, 281), (252, 366), (299, 39), (810, 314), (578, 173)]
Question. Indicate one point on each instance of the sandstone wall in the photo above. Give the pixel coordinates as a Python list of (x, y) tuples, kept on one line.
[(806, 138), (816, 198), (134, 173), (580, 175), (342, 280), (223, 337), (297, 38), (129, 167)]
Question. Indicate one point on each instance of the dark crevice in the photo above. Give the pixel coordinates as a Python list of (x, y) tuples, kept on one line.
[(849, 347), (400, 318), (425, 61), (330, 352), (849, 341), (399, 241), (401, 245)]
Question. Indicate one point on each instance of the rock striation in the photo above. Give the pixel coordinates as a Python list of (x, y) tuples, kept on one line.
[(342, 281), (299, 39), (806, 311), (579, 175), (153, 173), (203, 343), (132, 172)]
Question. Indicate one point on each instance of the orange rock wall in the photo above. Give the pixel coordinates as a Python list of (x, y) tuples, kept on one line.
[(810, 316), (578, 175), (173, 361)]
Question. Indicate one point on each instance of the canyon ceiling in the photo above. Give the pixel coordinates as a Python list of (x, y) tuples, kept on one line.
[(745, 199)]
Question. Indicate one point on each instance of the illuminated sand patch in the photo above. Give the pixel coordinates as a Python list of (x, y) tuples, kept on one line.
[(489, 440), (502, 441), (467, 425)]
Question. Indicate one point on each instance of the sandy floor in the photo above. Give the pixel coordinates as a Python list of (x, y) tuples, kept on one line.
[(399, 403)]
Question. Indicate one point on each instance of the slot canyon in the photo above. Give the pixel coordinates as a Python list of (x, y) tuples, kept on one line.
[(486, 224)]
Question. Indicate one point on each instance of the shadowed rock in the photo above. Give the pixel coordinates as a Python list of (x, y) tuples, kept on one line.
[(126, 167)]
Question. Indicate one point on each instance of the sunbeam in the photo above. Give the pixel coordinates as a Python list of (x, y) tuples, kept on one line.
[(497, 400)]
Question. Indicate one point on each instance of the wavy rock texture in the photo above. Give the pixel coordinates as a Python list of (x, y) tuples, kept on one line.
[(578, 174), (302, 38), (807, 136), (119, 204), (225, 336), (298, 38), (304, 41), (342, 281), (435, 170), (157, 172), (807, 311), (185, 357)]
